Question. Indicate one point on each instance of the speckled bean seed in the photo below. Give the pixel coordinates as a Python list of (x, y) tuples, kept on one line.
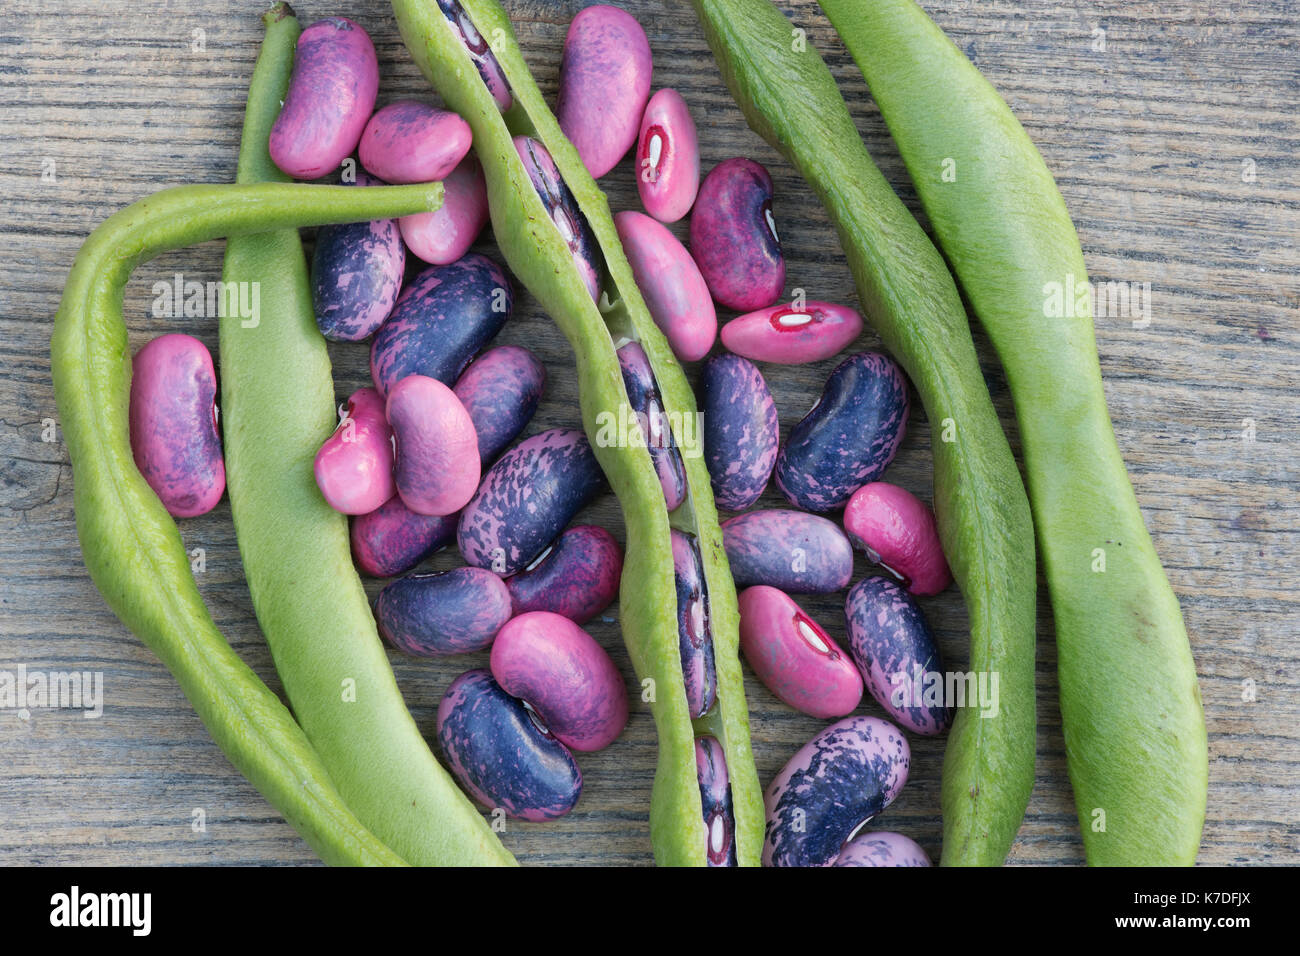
[(434, 444), (577, 576), (694, 626), (354, 468), (563, 209), (897, 655), (741, 432), (392, 539), (734, 238), (527, 498), (794, 657), (643, 395), (898, 532), (604, 84), (501, 390), (454, 612), (791, 550), (793, 335), (501, 752), (443, 317), (882, 849), (674, 291), (173, 424), (331, 95), (485, 60), (556, 667), (836, 782), (412, 142), (849, 437), (715, 800), (667, 157), (444, 235)]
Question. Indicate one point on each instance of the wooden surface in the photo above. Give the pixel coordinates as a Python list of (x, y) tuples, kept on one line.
[(1175, 148)]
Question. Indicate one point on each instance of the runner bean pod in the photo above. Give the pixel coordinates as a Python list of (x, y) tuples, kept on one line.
[(715, 797), (479, 53), (354, 468), (667, 157), (443, 236), (897, 531), (734, 238), (882, 849), (675, 292), (793, 334), (642, 393), (694, 627), (791, 550), (577, 576), (435, 448), (741, 431), (412, 142), (454, 612), (392, 539), (501, 390)]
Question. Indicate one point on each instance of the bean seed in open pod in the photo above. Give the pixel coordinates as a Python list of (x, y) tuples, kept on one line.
[(436, 448), (882, 849), (897, 655), (564, 675), (849, 437), (656, 431), (835, 783), (733, 236), (485, 60), (577, 576), (453, 612), (392, 539), (501, 752), (501, 390), (563, 209), (667, 157), (173, 417), (444, 235), (354, 468), (898, 532), (412, 142), (715, 801), (741, 432), (791, 550), (792, 334), (694, 626)]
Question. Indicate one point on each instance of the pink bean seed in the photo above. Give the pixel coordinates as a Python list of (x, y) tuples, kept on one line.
[(436, 447), (667, 157), (411, 142), (898, 532), (793, 335), (444, 235), (354, 468)]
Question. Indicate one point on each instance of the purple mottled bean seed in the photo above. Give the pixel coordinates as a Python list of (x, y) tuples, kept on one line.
[(331, 95), (882, 849), (502, 754), (577, 576), (501, 390), (850, 436), (444, 235), (656, 431), (604, 84), (559, 670), (443, 317), (354, 468), (741, 432), (836, 782), (794, 657), (392, 539), (485, 60), (667, 157), (562, 207), (527, 498), (898, 532), (675, 293), (173, 424), (356, 275), (412, 142), (897, 655), (790, 335), (434, 444), (694, 626), (791, 550), (715, 800), (454, 612), (733, 236)]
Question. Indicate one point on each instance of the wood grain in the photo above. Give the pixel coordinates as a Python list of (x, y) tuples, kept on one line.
[(1175, 147)]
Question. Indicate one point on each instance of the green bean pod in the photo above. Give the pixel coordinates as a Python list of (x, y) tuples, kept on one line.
[(1131, 707), (538, 256), (279, 407), (130, 544), (790, 99)]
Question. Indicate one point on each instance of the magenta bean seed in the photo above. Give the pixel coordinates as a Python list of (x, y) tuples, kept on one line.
[(882, 849), (444, 235), (793, 335), (715, 800), (560, 671), (849, 437), (392, 539), (741, 432), (501, 390), (435, 446), (794, 551), (331, 95), (412, 142), (897, 655), (794, 657), (354, 468), (501, 752), (694, 626), (604, 84), (577, 576), (562, 207), (674, 291), (898, 532), (733, 236), (656, 431), (173, 424), (454, 612), (527, 498), (667, 157), (835, 783), (485, 60)]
